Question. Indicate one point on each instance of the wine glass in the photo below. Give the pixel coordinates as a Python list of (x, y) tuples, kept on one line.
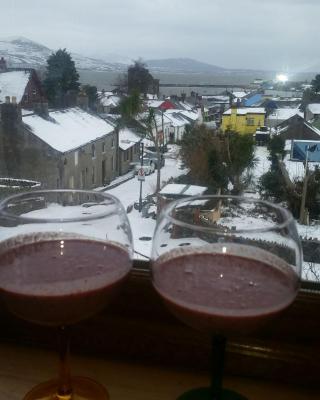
[(63, 256), (225, 265)]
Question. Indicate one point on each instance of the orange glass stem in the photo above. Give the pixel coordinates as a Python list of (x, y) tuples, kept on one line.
[(64, 385)]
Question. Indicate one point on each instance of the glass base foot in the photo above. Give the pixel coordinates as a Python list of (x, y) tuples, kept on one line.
[(206, 394), (83, 389)]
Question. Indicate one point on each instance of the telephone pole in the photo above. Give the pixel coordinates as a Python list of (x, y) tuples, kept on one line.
[(302, 215)]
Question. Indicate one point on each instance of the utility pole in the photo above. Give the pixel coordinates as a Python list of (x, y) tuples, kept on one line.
[(141, 179), (305, 185)]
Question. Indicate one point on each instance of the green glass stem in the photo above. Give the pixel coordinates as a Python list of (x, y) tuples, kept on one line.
[(218, 349)]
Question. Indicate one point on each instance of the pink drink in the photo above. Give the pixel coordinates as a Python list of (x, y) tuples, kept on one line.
[(231, 292), (58, 282)]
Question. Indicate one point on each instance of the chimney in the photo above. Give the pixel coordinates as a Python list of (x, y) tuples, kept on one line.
[(3, 65), (41, 109), (83, 101), (13, 100), (10, 115)]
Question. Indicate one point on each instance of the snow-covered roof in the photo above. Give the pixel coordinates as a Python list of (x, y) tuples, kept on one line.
[(312, 127), (110, 101), (247, 110), (154, 103), (217, 99), (177, 189), (239, 95), (314, 108), (189, 114), (283, 114), (127, 138), (151, 96), (184, 105), (68, 129), (176, 118), (13, 83)]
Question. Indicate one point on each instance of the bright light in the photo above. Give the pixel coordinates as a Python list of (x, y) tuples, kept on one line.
[(282, 78)]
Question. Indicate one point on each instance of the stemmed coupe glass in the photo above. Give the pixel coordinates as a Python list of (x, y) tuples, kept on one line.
[(225, 265), (63, 256)]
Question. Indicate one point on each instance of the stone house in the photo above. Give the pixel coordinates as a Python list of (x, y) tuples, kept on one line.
[(129, 149), (313, 112), (66, 149), (108, 102)]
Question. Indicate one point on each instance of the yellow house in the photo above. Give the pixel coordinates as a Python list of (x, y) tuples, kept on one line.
[(243, 119)]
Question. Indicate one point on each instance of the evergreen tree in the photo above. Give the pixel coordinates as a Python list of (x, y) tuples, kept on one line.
[(139, 78), (240, 157), (130, 106), (92, 93), (316, 84), (214, 160), (61, 77), (276, 149)]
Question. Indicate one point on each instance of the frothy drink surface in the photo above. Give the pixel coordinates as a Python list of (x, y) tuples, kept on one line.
[(221, 292), (61, 281)]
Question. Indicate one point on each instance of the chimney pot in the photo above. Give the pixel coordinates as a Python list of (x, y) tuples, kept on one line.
[(14, 100), (7, 99)]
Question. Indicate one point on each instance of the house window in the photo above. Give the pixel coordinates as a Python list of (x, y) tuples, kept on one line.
[(93, 151), (34, 92), (112, 163), (71, 182), (250, 121), (103, 147), (112, 142), (93, 178), (83, 179), (76, 158)]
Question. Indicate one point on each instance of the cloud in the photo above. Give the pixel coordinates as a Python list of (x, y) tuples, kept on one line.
[(233, 33)]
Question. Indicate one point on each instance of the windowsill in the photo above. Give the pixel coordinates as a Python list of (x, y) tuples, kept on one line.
[(138, 328), (23, 367)]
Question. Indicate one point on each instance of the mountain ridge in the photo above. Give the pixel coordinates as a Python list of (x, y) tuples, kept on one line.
[(23, 52), (183, 64)]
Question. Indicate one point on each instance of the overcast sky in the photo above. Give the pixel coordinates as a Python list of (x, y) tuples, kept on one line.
[(279, 35)]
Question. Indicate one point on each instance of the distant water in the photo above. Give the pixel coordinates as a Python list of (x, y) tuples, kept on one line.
[(107, 79)]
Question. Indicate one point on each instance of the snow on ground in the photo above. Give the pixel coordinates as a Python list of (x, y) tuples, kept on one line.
[(296, 168), (263, 164), (128, 193)]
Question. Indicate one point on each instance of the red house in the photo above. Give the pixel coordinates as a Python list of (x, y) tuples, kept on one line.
[(21, 85), (167, 105)]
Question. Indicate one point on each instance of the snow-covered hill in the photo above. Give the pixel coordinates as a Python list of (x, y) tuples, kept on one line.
[(20, 51)]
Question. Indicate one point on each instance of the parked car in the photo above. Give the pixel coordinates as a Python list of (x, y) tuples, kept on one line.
[(153, 156), (148, 166)]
